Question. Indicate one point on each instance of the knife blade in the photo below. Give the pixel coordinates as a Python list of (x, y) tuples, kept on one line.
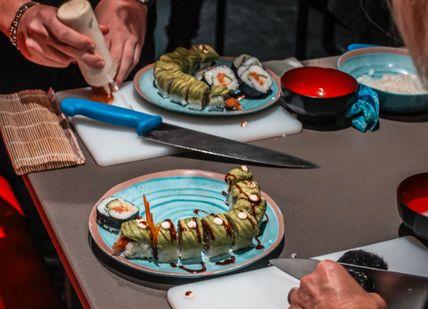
[(152, 128), (398, 289)]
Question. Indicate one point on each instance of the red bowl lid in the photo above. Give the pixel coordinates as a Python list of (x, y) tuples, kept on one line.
[(317, 82), (413, 192)]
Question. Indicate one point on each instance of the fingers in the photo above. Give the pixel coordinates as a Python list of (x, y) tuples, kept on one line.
[(126, 61), (294, 298), (45, 56), (70, 37), (378, 300)]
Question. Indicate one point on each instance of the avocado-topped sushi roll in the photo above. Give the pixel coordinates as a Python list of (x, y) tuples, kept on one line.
[(112, 212), (256, 81), (139, 246), (217, 97), (166, 242), (218, 235), (245, 227), (243, 190), (197, 95), (180, 87), (164, 79), (238, 174), (255, 205), (190, 240), (206, 52), (221, 75), (160, 66)]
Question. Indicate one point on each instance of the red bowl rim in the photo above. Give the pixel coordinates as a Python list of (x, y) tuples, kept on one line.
[(346, 75), (403, 184)]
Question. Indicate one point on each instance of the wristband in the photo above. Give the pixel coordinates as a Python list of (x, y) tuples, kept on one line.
[(15, 22)]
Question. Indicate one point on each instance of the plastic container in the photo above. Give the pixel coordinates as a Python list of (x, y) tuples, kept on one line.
[(79, 15)]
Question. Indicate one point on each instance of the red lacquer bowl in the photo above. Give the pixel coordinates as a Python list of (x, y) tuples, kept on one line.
[(319, 92), (412, 201)]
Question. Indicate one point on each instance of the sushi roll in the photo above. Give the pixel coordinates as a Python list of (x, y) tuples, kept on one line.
[(218, 235), (139, 246), (255, 205), (256, 81), (245, 227), (166, 242), (249, 62), (205, 54), (243, 190), (238, 61), (160, 66), (217, 98), (197, 96), (238, 174), (164, 80), (190, 234), (221, 75), (179, 89), (112, 212)]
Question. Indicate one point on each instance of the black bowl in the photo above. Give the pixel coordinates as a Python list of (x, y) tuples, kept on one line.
[(412, 202), (318, 93)]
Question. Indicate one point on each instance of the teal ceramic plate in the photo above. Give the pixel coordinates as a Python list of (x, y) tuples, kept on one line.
[(175, 194), (144, 85)]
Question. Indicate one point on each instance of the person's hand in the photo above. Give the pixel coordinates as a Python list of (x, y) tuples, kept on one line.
[(43, 39), (126, 20), (331, 287)]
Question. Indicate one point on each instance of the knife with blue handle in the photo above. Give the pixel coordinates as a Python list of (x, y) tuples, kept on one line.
[(398, 289), (152, 128)]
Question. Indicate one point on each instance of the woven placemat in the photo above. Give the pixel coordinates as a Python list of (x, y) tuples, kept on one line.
[(37, 135)]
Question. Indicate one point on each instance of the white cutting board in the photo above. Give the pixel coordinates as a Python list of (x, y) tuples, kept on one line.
[(111, 145), (268, 288)]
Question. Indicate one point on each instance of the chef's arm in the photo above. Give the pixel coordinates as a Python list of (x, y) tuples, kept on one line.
[(36, 31)]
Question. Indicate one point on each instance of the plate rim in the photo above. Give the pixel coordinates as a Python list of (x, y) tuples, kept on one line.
[(96, 236), (142, 71)]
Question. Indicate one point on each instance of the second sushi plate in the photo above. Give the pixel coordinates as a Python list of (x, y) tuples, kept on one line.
[(177, 194), (145, 87)]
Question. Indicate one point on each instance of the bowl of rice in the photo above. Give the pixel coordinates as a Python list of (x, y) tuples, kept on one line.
[(391, 73)]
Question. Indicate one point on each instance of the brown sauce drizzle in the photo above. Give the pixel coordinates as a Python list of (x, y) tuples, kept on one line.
[(196, 211), (172, 231), (188, 293), (228, 261), (194, 271), (259, 244), (267, 217), (198, 232), (173, 265)]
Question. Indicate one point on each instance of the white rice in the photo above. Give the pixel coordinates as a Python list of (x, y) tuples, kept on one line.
[(394, 83)]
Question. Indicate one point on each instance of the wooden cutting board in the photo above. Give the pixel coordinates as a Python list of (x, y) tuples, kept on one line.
[(268, 288), (111, 145)]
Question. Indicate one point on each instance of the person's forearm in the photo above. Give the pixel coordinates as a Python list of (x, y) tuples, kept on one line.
[(8, 9)]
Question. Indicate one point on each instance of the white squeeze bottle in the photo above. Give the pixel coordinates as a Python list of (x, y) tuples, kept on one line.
[(79, 15)]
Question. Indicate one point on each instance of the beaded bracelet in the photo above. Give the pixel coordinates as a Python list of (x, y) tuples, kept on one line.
[(15, 22)]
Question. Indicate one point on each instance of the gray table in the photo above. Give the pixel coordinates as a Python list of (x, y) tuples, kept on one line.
[(349, 201)]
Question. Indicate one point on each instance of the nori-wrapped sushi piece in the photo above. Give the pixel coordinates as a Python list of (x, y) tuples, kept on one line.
[(112, 212), (167, 242), (363, 258), (238, 174), (190, 233), (256, 206), (218, 235), (245, 228), (140, 245), (221, 75), (238, 61), (255, 82)]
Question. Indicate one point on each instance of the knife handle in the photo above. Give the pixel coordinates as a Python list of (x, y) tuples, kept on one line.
[(115, 115)]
